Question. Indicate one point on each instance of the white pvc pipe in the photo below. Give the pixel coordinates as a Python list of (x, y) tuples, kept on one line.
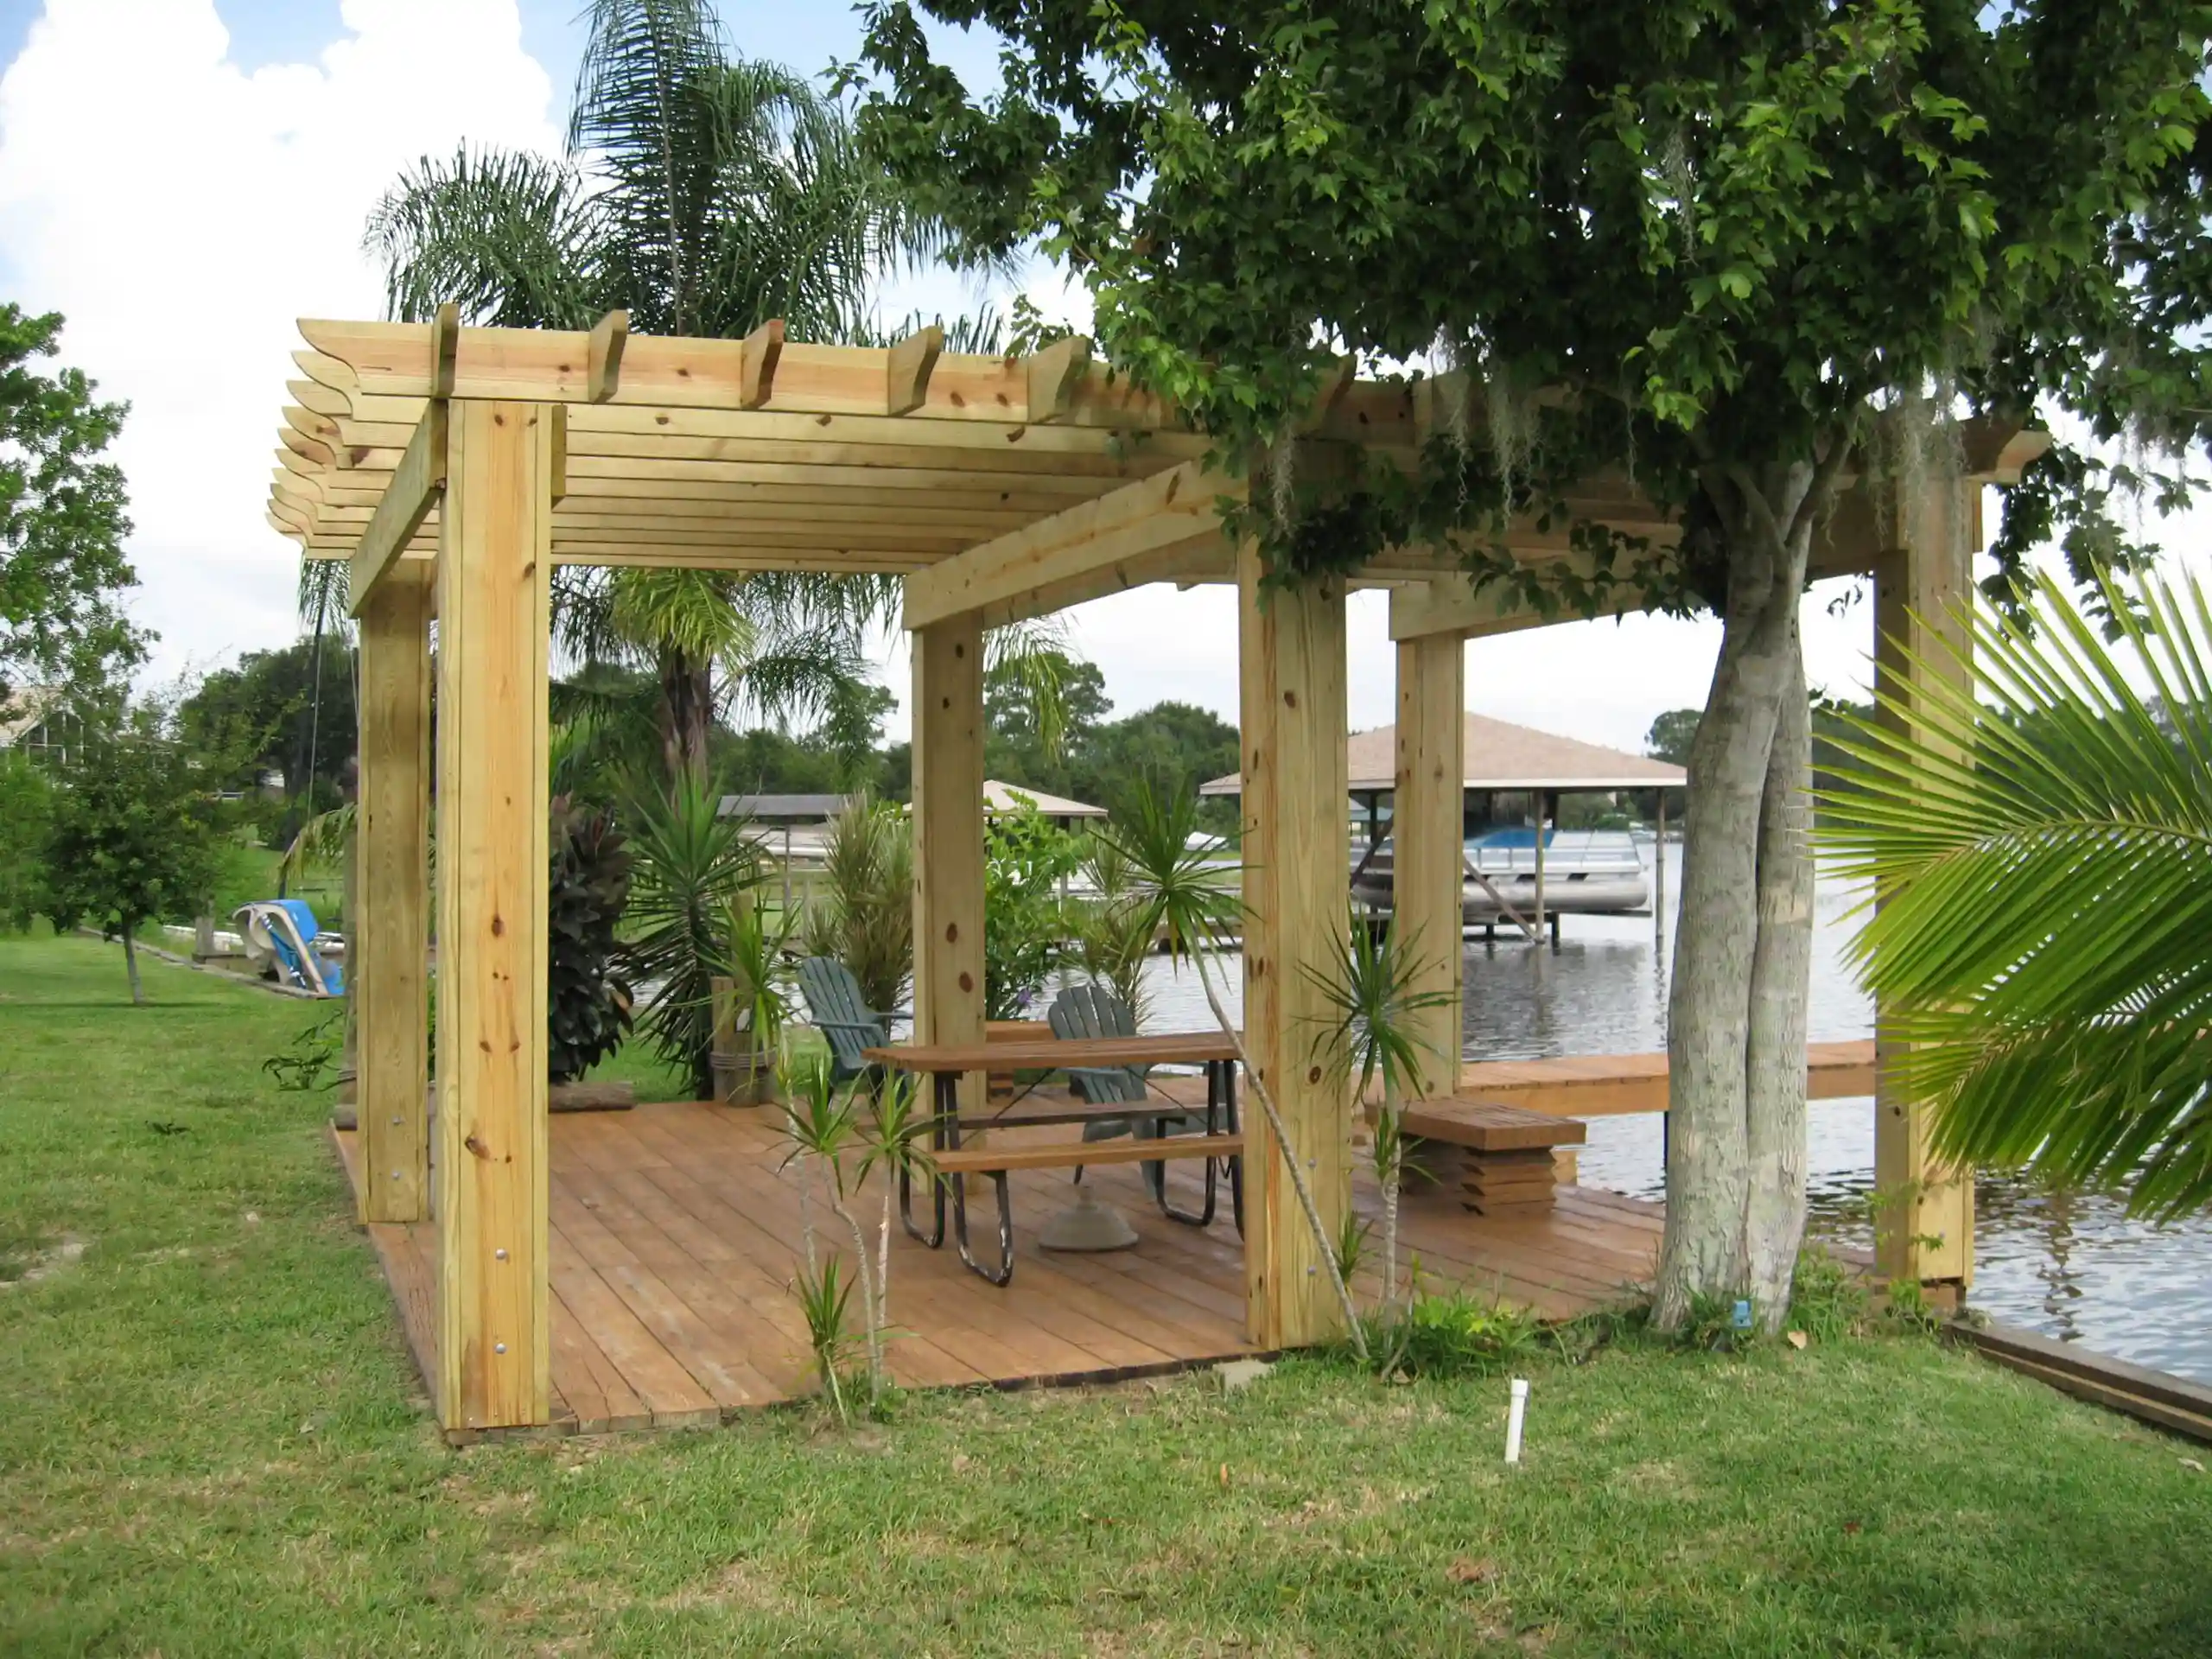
[(1513, 1419)]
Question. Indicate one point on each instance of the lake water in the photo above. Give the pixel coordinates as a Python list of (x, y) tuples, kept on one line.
[(2072, 1266)]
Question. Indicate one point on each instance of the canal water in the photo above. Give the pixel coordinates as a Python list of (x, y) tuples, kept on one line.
[(2072, 1266)]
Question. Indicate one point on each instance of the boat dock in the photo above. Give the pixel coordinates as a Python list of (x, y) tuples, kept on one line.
[(1611, 1085)]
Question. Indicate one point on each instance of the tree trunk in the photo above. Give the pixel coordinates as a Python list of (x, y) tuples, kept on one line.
[(687, 712), (131, 966), (1715, 1092)]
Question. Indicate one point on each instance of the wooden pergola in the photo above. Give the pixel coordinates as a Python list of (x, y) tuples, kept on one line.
[(454, 466)]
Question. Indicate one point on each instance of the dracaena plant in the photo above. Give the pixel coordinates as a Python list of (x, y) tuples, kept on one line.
[(1183, 898), (1374, 1032)]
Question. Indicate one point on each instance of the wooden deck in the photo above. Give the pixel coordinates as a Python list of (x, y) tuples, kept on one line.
[(675, 1237), (1605, 1085)]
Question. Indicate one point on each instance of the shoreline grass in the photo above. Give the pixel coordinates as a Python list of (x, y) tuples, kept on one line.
[(212, 1441)]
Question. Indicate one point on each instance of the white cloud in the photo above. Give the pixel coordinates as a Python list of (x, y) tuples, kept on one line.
[(182, 213)]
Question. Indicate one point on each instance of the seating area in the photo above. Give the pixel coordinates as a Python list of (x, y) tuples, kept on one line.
[(674, 1235), (1507, 1158)]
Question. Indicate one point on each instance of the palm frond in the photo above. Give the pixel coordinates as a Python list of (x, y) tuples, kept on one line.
[(326, 596), (642, 115), (516, 241), (2042, 947)]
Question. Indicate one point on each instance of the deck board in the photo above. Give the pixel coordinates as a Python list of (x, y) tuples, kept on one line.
[(676, 1241)]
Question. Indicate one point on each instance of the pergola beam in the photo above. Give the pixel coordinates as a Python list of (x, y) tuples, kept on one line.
[(603, 352), (416, 486), (914, 359), (1139, 533)]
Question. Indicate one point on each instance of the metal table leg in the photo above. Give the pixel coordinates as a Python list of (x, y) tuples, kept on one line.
[(947, 1092)]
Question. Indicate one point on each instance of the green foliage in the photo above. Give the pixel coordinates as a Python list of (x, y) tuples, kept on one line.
[(1451, 1334), (824, 1293), (25, 816), (1829, 1299), (2040, 839), (309, 1061), (1113, 940), (1182, 895), (691, 864), (760, 983), (1026, 927), (63, 518), (1673, 211), (1176, 746), (706, 194), (1875, 1498), (135, 833), (587, 1002), (862, 914), (1375, 1006), (1671, 735), (275, 709)]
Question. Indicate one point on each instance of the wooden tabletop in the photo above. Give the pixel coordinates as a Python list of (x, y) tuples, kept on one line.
[(1168, 1048)]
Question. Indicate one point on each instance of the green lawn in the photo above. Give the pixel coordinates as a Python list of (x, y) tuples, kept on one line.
[(212, 1442)]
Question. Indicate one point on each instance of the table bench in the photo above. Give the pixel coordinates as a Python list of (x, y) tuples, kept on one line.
[(1508, 1166), (997, 1161), (1221, 1146)]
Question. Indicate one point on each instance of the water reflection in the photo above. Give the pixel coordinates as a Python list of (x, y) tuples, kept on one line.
[(2072, 1265)]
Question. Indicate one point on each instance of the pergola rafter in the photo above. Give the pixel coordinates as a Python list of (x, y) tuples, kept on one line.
[(454, 466)]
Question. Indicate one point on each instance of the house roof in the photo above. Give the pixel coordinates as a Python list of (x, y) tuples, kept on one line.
[(1007, 797), (1498, 754), (785, 809)]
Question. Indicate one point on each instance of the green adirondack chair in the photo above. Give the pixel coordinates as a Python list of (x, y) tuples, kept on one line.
[(1091, 1011), (834, 1006)]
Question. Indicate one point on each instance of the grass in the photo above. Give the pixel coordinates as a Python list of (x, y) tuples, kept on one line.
[(213, 1443)]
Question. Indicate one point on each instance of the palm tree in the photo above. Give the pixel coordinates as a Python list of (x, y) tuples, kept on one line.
[(2039, 832), (706, 194)]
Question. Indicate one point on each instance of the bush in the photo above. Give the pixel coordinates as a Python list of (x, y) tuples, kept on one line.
[(26, 814), (1026, 927), (1453, 1334), (587, 1003), (862, 914)]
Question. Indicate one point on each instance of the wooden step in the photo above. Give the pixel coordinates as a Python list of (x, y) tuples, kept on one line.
[(1486, 1125)]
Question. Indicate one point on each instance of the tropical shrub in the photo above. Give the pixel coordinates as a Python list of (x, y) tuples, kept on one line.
[(1025, 926), (587, 1001), (862, 914), (691, 864)]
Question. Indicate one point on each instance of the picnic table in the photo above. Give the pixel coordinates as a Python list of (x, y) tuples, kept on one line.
[(1221, 1146)]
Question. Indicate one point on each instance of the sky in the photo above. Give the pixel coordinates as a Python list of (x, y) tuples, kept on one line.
[(183, 178)]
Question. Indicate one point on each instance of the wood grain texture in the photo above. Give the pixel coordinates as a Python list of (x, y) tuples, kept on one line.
[(493, 571), (1922, 587), (677, 1232), (1427, 833), (1140, 532), (1291, 670), (1612, 1085), (417, 483), (948, 816), (390, 925), (1071, 1153)]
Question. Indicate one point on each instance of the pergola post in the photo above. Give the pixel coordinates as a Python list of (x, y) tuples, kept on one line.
[(947, 728), (1428, 840), (388, 917), (494, 560), (1923, 1226), (1291, 669)]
